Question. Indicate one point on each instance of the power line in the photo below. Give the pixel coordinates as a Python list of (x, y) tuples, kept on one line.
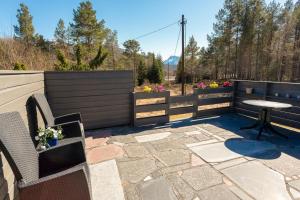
[(155, 31), (178, 37)]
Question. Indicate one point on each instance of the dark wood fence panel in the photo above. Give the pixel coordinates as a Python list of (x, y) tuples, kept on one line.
[(187, 104), (102, 97), (273, 91), (147, 108), (177, 105), (210, 97), (16, 89)]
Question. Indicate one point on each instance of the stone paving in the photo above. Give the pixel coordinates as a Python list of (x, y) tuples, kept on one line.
[(201, 159)]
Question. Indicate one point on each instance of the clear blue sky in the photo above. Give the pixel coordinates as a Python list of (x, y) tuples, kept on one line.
[(130, 18)]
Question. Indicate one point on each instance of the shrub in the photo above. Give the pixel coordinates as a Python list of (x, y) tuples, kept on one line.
[(19, 66)]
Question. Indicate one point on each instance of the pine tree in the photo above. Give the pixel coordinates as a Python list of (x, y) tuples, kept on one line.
[(111, 44), (60, 33), (192, 56), (99, 59), (132, 47), (63, 64), (24, 30), (141, 73), (155, 73), (86, 29)]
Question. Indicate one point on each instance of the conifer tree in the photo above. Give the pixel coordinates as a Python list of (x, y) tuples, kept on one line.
[(24, 30), (86, 29), (60, 33), (141, 73)]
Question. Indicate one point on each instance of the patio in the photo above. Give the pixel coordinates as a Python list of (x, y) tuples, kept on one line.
[(204, 157), (193, 160)]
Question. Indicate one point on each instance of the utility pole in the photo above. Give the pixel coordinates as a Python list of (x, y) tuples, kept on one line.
[(183, 22), (168, 72)]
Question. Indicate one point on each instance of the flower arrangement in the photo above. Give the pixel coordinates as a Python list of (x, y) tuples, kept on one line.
[(213, 85), (159, 88), (227, 84), (48, 137), (147, 89), (201, 85)]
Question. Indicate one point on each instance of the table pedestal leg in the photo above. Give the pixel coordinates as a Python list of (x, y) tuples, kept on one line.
[(264, 123)]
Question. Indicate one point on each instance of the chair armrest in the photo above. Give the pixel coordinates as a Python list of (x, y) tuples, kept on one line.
[(68, 118), (61, 157), (71, 184), (71, 129)]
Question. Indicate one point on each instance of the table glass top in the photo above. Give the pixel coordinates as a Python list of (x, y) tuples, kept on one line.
[(267, 104)]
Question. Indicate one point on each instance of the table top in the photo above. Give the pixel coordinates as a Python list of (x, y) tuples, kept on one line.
[(267, 104)]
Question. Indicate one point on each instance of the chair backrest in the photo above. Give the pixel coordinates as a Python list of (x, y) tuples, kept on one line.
[(44, 108), (17, 147)]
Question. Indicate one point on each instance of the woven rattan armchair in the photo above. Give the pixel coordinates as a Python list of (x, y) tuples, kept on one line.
[(50, 120), (58, 173), (71, 123)]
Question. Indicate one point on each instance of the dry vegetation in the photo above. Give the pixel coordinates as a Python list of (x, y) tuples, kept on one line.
[(13, 51)]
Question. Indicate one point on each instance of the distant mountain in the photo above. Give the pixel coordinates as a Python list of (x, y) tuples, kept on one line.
[(172, 60)]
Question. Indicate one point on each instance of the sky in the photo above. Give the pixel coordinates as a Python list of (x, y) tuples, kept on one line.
[(131, 18)]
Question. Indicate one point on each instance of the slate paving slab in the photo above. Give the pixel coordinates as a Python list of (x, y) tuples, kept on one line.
[(136, 170), (295, 184), (202, 137), (158, 189), (122, 139), (136, 151), (152, 137), (220, 152), (184, 191), (219, 192), (102, 153), (169, 145), (202, 177), (259, 181), (105, 180), (287, 163), (173, 157)]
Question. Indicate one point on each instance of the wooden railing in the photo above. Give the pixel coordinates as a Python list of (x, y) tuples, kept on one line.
[(273, 91), (177, 105)]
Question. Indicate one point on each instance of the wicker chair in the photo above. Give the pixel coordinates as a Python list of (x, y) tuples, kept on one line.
[(59, 173), (71, 123), (47, 114)]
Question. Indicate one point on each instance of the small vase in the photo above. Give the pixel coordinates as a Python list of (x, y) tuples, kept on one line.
[(249, 90), (52, 142), (276, 94)]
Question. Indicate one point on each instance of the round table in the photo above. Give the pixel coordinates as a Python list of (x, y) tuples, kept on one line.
[(264, 119)]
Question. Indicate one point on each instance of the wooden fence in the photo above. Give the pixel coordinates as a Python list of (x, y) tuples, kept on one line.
[(102, 97), (273, 91), (201, 104)]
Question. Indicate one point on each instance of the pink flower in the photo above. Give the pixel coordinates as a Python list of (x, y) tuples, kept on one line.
[(160, 88), (201, 85), (227, 84)]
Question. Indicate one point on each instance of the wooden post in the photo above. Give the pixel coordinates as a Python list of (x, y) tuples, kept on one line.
[(266, 84), (234, 91), (195, 103), (133, 109), (167, 102), (182, 56)]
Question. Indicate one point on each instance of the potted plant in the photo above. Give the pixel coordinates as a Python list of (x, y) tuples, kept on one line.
[(48, 137)]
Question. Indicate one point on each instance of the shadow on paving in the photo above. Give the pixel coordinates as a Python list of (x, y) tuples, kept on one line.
[(228, 122)]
